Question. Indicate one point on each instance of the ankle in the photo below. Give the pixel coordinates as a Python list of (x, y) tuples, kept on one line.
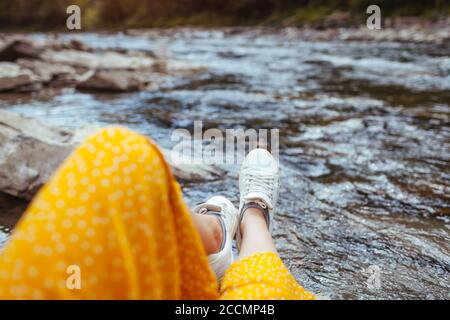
[(253, 217)]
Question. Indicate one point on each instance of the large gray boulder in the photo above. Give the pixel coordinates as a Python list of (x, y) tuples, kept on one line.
[(30, 151)]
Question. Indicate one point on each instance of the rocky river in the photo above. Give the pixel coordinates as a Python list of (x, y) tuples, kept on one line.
[(364, 210)]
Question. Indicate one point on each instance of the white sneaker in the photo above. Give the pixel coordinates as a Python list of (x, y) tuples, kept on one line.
[(259, 184), (228, 216)]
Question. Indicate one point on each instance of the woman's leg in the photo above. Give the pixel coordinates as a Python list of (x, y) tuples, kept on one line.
[(259, 272), (210, 232), (110, 224), (221, 212), (255, 234)]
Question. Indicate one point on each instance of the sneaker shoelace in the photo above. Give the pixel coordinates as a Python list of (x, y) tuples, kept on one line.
[(260, 182)]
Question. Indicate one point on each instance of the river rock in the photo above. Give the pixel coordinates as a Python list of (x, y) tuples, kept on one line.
[(31, 151), (14, 77), (116, 81), (48, 72), (192, 172), (18, 49), (105, 60), (78, 45)]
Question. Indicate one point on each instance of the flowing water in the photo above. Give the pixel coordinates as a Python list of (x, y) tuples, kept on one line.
[(364, 208)]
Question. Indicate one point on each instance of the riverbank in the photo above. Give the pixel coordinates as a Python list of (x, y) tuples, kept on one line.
[(400, 29), (30, 65), (404, 30)]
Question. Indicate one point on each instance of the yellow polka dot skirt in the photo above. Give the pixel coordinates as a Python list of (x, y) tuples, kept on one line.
[(111, 224)]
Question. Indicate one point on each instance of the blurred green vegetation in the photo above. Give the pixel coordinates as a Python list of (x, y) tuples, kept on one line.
[(34, 15)]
